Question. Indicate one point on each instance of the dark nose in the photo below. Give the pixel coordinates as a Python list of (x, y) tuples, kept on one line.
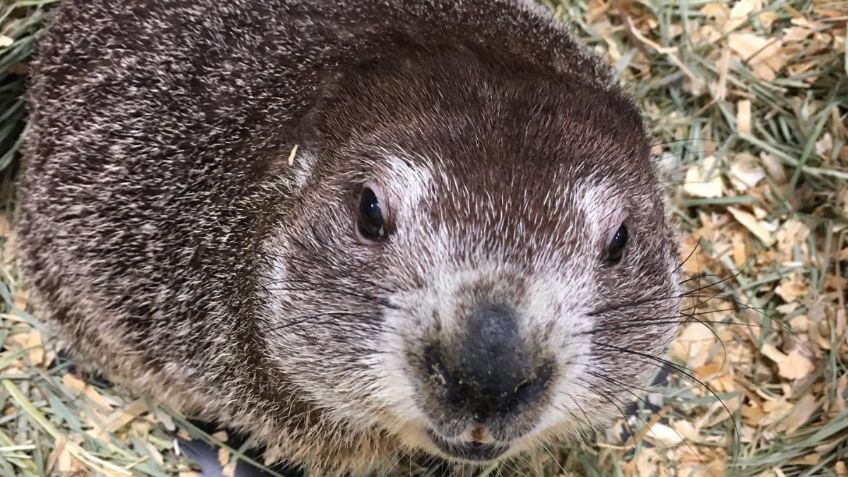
[(490, 372)]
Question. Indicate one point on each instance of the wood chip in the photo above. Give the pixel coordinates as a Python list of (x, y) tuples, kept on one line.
[(761, 54), (157, 456), (64, 462), (723, 71), (704, 180), (796, 34), (165, 419), (664, 434), (792, 288), (824, 146), (767, 19), (802, 412), (768, 350), (774, 168), (743, 117), (795, 366), (32, 342), (223, 456), (745, 172), (79, 386), (716, 11), (762, 230), (740, 12), (752, 48), (752, 414), (124, 416), (693, 345)]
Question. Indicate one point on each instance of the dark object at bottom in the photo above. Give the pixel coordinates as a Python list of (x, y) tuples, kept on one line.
[(206, 456)]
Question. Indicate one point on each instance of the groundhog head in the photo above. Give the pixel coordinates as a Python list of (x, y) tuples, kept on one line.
[(476, 259)]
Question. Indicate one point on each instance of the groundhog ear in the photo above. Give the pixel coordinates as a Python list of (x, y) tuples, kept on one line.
[(307, 135), (310, 126)]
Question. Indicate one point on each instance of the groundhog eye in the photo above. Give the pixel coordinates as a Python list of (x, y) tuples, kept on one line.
[(615, 249), (371, 222)]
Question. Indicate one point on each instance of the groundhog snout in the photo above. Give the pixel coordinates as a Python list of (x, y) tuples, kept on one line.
[(488, 371)]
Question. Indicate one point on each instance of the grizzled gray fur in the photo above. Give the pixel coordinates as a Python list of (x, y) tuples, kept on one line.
[(467, 256)]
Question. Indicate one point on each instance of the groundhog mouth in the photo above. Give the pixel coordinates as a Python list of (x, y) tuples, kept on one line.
[(468, 451)]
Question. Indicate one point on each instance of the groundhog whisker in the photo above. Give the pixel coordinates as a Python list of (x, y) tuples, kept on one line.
[(704, 275), (686, 294), (699, 277), (589, 424), (512, 465), (548, 450), (679, 141), (700, 288), (761, 311), (590, 386), (628, 389), (658, 359), (311, 263), (304, 319), (324, 284), (642, 321), (645, 301), (692, 317), (681, 370), (561, 407), (392, 467), (338, 291), (689, 256), (697, 290), (737, 305), (611, 308), (335, 286)]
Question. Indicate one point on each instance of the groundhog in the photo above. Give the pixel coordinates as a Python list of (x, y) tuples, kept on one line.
[(358, 230)]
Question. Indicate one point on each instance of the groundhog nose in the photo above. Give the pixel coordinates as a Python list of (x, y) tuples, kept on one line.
[(490, 372)]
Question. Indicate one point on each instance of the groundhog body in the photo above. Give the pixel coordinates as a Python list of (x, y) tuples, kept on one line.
[(442, 266)]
